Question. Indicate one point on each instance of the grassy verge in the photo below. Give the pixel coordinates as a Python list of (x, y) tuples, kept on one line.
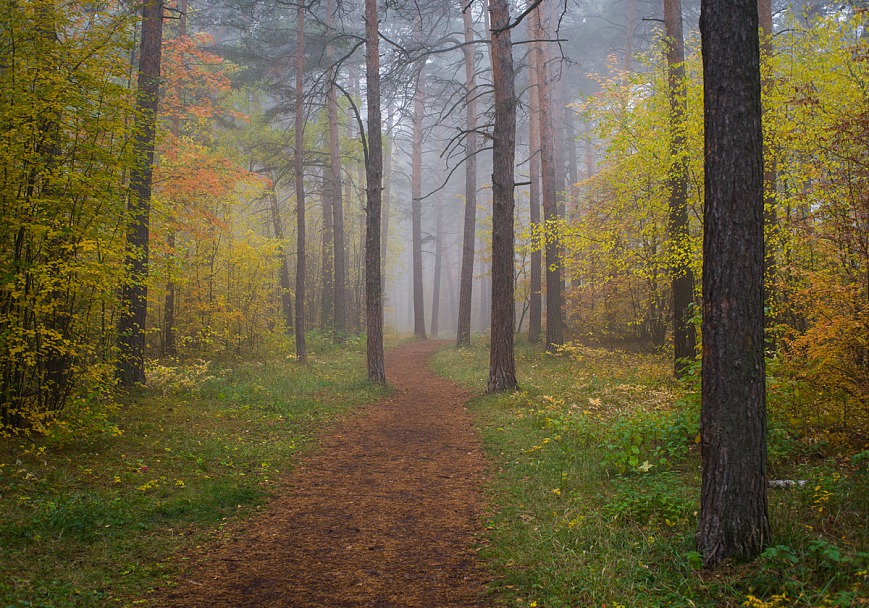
[(96, 518), (596, 483)]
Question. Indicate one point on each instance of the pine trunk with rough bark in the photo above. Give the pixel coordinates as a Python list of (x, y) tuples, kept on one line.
[(170, 347), (298, 166), (134, 297), (550, 187), (733, 503), (416, 208), (374, 179), (682, 277), (339, 250), (502, 366), (535, 304), (463, 332)]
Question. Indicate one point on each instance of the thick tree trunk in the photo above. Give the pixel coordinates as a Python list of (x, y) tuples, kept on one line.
[(339, 250), (463, 332), (733, 505), (551, 186), (374, 178), (535, 304), (416, 208), (131, 324), (502, 367), (682, 277), (298, 165)]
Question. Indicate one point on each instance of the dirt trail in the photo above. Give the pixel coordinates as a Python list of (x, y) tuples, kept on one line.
[(384, 515)]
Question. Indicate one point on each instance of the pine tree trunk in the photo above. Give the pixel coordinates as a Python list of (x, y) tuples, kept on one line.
[(416, 209), (385, 204), (298, 165), (502, 367), (169, 346), (629, 38), (550, 182), (733, 504), (535, 304), (374, 178), (339, 250), (284, 270), (682, 281), (327, 270), (436, 289), (131, 324), (463, 332)]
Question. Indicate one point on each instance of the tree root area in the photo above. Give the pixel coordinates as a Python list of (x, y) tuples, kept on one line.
[(384, 515)]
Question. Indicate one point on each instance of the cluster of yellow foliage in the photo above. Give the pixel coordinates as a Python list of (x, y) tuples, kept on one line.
[(816, 124)]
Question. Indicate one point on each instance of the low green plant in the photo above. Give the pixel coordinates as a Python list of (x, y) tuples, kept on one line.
[(202, 445), (578, 519)]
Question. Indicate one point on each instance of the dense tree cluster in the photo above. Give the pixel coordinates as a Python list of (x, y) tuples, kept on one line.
[(207, 179)]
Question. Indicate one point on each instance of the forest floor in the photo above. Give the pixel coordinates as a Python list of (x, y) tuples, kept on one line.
[(385, 513)]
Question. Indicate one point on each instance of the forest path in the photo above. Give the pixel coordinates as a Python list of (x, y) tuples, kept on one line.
[(384, 515)]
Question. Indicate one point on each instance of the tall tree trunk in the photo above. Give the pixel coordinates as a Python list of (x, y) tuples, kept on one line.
[(502, 366), (550, 182), (535, 303), (169, 346), (733, 504), (374, 178), (387, 194), (463, 332), (629, 39), (327, 269), (131, 324), (298, 165), (682, 277), (284, 270), (416, 203), (436, 289), (339, 250), (570, 147)]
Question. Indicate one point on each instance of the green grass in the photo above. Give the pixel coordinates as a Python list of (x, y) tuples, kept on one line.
[(98, 517), (594, 485)]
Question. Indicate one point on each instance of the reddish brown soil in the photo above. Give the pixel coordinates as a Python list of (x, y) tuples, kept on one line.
[(384, 515)]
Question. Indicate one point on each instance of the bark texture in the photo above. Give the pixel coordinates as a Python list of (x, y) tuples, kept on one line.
[(463, 332), (339, 251), (733, 508), (682, 281), (551, 185), (535, 304), (502, 367), (416, 206), (134, 298), (374, 179), (298, 165)]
